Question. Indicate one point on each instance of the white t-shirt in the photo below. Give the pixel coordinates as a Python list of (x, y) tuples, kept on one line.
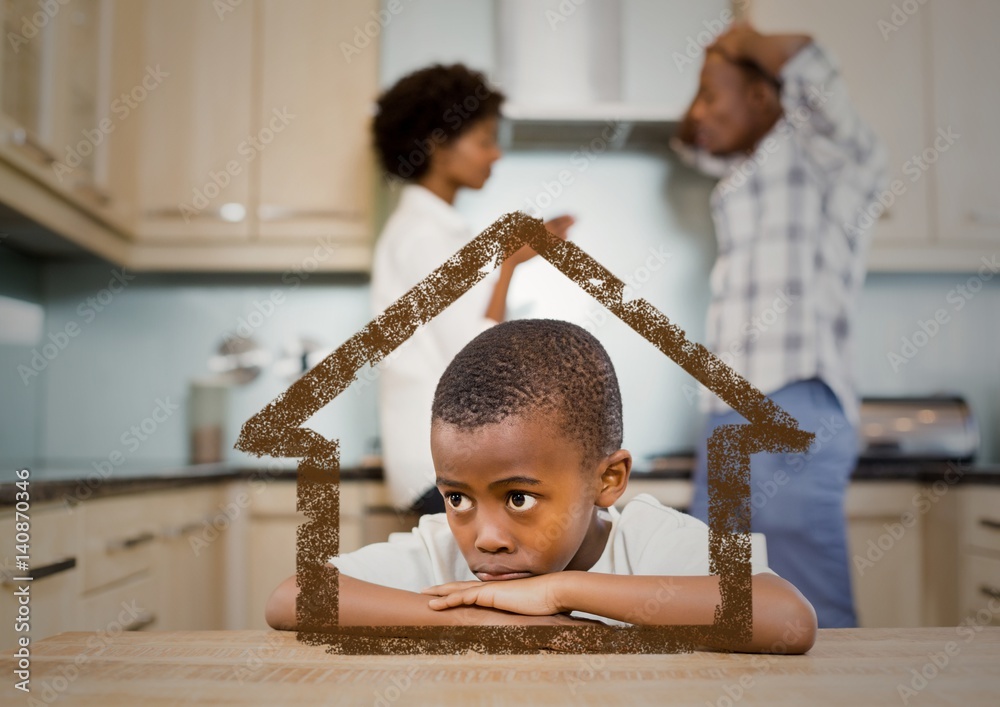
[(646, 538), (420, 235)]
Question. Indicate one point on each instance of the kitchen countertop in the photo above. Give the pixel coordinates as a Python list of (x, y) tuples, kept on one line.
[(81, 482), (846, 667)]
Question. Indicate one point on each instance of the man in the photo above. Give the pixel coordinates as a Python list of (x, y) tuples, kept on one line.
[(797, 167)]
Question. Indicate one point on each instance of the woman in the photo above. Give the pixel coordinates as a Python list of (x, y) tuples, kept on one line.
[(436, 129)]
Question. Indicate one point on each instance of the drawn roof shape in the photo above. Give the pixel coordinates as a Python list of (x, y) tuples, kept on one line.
[(277, 431)]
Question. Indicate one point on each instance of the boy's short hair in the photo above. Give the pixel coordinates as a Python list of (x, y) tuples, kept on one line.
[(428, 107), (529, 366)]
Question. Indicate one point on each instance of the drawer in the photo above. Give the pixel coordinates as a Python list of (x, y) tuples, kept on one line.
[(131, 606), (54, 604), (980, 595), (120, 537), (54, 534), (188, 510), (981, 518)]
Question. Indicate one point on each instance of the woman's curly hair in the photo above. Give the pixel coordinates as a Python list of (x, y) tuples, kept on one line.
[(430, 106)]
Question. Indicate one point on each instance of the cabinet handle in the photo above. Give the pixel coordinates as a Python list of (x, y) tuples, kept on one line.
[(988, 591), (44, 571), (187, 528), (141, 621), (989, 523), (22, 138), (273, 212), (175, 214), (128, 543)]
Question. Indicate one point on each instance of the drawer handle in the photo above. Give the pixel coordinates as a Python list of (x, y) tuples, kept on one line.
[(274, 212), (182, 530), (45, 570), (141, 621), (129, 543), (988, 523), (988, 591)]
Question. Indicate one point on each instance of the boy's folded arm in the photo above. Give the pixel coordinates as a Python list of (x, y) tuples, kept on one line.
[(366, 604), (783, 620)]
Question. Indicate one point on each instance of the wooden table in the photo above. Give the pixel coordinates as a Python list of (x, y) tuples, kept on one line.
[(858, 667)]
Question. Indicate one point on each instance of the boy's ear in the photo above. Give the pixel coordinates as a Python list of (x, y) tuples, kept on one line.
[(615, 469)]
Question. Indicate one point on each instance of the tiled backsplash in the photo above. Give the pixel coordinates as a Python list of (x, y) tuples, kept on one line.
[(643, 217)]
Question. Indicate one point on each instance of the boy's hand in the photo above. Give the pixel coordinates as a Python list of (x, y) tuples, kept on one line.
[(532, 596)]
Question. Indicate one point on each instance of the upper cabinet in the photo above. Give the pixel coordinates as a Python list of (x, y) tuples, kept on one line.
[(965, 55), (917, 73), (255, 151), (193, 162), (316, 97), (59, 71), (191, 134)]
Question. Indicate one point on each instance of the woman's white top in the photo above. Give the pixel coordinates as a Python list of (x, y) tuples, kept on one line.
[(420, 235)]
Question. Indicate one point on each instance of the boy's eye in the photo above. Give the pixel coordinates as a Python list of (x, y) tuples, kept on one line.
[(520, 501), (455, 501)]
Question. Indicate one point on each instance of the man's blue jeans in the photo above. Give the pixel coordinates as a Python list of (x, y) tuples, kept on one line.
[(797, 500)]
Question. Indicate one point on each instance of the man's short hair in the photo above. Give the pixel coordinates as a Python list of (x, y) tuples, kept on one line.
[(535, 366), (430, 106)]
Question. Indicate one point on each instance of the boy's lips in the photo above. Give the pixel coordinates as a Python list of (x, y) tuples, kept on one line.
[(494, 573)]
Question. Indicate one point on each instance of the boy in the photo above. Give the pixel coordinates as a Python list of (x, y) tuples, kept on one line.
[(526, 439)]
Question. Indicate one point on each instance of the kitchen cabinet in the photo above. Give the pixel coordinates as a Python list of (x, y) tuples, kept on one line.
[(965, 54), (63, 135), (193, 164), (365, 517), (979, 557), (54, 597), (255, 152), (193, 552), (194, 136), (316, 179), (886, 553), (900, 62), (123, 563)]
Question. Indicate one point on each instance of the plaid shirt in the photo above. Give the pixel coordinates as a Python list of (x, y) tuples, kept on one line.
[(789, 221)]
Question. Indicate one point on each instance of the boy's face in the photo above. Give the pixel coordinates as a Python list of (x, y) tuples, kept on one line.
[(517, 499)]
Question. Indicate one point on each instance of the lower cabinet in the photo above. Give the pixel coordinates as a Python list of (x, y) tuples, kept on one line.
[(123, 563), (51, 602), (886, 554), (979, 557), (366, 516)]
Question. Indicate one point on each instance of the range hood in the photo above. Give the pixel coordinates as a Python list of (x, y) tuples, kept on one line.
[(577, 73)]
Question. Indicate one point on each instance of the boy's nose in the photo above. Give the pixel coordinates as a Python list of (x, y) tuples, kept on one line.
[(491, 538)]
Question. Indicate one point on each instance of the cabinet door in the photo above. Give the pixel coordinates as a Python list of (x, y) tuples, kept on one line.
[(54, 593), (966, 102), (885, 74), (191, 578), (313, 118), (197, 147), (886, 556)]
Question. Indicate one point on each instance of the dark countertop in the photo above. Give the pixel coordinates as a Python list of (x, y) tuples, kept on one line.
[(72, 484)]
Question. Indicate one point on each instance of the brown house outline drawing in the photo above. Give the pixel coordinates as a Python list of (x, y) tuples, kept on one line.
[(277, 431)]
